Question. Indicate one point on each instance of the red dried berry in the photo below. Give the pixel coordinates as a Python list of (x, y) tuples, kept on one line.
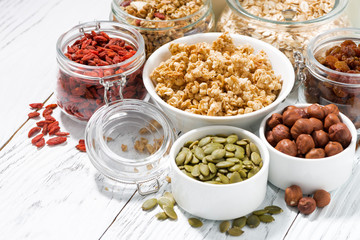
[(54, 130), (45, 129), (81, 147), (56, 141), (47, 111), (37, 138), (40, 143), (50, 118), (33, 131), (81, 141), (51, 125), (33, 114), (62, 134), (42, 123), (36, 105), (54, 105)]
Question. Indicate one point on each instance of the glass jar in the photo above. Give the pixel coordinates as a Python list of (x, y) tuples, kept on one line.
[(288, 36), (82, 89), (158, 32), (325, 86), (129, 141)]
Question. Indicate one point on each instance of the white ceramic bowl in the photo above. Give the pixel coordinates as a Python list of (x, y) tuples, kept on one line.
[(218, 202), (187, 121), (310, 174)]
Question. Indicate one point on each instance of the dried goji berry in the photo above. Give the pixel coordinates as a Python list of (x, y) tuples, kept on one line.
[(51, 125), (53, 105), (36, 105), (37, 138), (33, 131), (40, 143), (47, 111), (50, 118), (56, 140), (42, 123), (33, 114), (53, 130), (81, 141), (81, 147), (45, 129), (62, 134)]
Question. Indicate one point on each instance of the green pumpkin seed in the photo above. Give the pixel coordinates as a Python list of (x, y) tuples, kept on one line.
[(224, 226), (170, 197), (169, 211), (242, 142), (253, 221), (199, 153), (239, 152), (218, 153), (247, 162), (243, 174), (266, 218), (180, 158), (254, 148), (207, 159), (161, 216), (239, 222), (274, 209), (229, 154), (228, 175), (230, 147), (235, 231), (253, 172), (204, 170), (232, 138), (212, 168), (196, 171), (164, 201), (247, 150), (235, 168), (209, 150), (213, 182), (188, 168), (223, 178), (187, 173), (188, 143), (255, 157), (261, 164), (235, 177), (194, 160), (195, 223), (223, 171), (225, 164), (207, 178), (189, 157), (219, 140), (149, 204), (234, 160), (204, 141), (193, 144), (260, 212)]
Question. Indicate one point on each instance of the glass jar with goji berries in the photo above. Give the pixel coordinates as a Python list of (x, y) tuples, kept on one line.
[(99, 62), (160, 21)]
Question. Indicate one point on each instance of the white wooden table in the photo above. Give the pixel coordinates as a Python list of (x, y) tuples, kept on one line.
[(55, 192)]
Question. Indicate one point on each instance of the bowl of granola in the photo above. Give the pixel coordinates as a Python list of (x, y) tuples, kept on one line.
[(217, 79)]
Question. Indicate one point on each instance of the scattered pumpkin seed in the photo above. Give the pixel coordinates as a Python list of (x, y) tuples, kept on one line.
[(224, 226), (170, 197), (195, 223), (260, 212), (240, 222), (169, 211), (266, 218), (253, 221), (149, 204), (235, 231), (161, 216), (274, 209), (164, 201)]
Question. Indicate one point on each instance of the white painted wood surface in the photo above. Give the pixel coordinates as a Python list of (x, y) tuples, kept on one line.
[(55, 192)]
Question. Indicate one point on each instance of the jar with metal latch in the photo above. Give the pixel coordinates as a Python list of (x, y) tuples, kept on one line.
[(98, 62)]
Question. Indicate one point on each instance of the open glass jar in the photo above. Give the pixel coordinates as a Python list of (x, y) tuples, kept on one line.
[(288, 35), (82, 89), (129, 141), (157, 32), (324, 85)]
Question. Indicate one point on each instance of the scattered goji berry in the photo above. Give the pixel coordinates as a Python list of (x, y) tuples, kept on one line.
[(81, 141), (81, 148), (40, 143), (42, 123), (33, 131), (47, 111), (33, 114), (45, 129), (54, 130), (53, 105), (50, 118), (62, 134), (36, 105), (56, 141), (37, 138)]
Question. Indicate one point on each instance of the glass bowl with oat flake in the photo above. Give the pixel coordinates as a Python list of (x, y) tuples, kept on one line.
[(129, 141), (288, 25), (160, 21)]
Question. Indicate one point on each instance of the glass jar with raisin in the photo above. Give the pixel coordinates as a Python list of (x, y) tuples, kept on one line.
[(99, 62), (332, 73)]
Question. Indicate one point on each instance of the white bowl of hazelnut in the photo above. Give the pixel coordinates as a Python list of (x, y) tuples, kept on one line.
[(217, 79), (310, 145)]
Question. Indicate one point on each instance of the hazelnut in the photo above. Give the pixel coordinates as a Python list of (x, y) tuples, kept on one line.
[(293, 195), (330, 120), (339, 132), (280, 132), (270, 138), (315, 111), (287, 146), (290, 116), (321, 138), (315, 153), (322, 198), (304, 143), (333, 148), (306, 205), (290, 107), (317, 124), (274, 120), (301, 125), (331, 108)]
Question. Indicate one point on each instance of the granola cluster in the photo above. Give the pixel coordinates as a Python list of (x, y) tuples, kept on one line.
[(218, 79)]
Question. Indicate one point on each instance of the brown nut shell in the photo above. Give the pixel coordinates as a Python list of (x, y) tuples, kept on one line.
[(274, 120), (331, 119), (315, 111), (304, 143), (316, 153), (280, 132), (331, 108), (270, 138), (317, 124), (321, 138), (301, 126), (322, 198), (292, 195), (287, 146), (307, 205), (290, 116), (333, 148), (339, 132)]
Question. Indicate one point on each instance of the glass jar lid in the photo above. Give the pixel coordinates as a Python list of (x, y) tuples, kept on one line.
[(129, 141)]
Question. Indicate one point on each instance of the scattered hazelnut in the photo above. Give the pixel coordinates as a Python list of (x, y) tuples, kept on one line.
[(287, 146), (339, 132), (274, 120), (290, 116), (315, 111), (331, 108), (280, 132), (293, 195), (322, 198), (330, 120), (306, 205), (270, 138), (301, 125), (304, 143), (315, 153), (321, 138), (333, 148), (316, 123)]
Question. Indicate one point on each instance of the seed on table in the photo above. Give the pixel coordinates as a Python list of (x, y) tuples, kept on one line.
[(149, 204), (240, 222), (235, 231), (224, 226), (195, 171), (266, 218), (169, 211), (164, 201), (170, 197), (235, 177), (195, 223), (274, 209), (253, 221), (161, 216), (260, 212)]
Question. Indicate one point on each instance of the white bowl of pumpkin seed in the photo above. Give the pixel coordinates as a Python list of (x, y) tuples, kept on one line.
[(219, 172)]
